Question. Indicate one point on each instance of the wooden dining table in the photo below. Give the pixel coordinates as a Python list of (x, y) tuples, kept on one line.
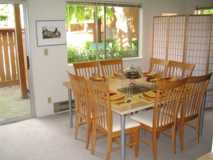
[(135, 103)]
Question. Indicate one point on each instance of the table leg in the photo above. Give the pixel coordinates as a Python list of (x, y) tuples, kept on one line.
[(202, 115), (70, 107), (123, 138)]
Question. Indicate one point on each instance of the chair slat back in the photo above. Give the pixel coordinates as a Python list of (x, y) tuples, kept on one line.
[(87, 69), (157, 65), (195, 90), (80, 91), (179, 69), (109, 67), (168, 102), (101, 105)]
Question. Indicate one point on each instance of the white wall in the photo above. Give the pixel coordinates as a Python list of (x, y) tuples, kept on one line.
[(50, 71)]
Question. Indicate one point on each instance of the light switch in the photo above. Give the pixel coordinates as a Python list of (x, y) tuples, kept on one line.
[(46, 52)]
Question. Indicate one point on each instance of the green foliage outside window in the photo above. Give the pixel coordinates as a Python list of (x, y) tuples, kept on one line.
[(3, 18), (92, 51)]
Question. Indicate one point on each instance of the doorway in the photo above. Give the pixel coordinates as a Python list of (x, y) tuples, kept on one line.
[(14, 65)]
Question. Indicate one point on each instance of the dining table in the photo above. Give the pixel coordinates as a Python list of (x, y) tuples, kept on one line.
[(135, 102)]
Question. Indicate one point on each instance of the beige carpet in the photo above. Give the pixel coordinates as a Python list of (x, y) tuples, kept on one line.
[(12, 105), (51, 138)]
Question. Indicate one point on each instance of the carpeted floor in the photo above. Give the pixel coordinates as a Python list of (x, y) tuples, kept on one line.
[(12, 105), (51, 138)]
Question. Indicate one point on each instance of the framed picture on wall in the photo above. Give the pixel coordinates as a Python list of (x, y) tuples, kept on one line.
[(50, 32)]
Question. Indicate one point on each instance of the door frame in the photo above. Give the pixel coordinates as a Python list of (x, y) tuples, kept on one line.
[(30, 75)]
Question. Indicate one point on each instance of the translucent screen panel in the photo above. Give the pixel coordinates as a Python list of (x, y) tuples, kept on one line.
[(211, 58), (176, 38), (160, 37), (197, 42), (210, 93)]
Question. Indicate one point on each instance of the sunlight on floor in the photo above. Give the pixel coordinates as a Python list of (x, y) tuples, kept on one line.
[(12, 105)]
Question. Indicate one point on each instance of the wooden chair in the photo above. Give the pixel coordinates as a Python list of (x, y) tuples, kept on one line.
[(87, 69), (163, 116), (104, 121), (110, 67), (82, 104), (178, 69), (195, 90), (157, 65)]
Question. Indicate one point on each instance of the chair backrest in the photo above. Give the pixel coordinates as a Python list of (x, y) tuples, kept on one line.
[(81, 94), (195, 90), (179, 69), (87, 69), (102, 113), (168, 101), (157, 65), (109, 67)]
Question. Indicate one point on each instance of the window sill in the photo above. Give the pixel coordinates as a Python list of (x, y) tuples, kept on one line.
[(124, 59), (132, 58)]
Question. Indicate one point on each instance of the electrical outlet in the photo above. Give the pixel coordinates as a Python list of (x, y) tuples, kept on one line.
[(46, 52), (49, 99)]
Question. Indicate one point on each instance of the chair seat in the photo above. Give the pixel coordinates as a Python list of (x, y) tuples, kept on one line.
[(144, 117), (117, 124)]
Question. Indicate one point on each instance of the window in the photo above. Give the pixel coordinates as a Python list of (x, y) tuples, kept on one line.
[(169, 14), (101, 31), (203, 11)]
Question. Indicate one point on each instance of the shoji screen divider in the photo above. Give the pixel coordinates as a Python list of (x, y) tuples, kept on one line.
[(160, 37), (186, 39), (176, 38)]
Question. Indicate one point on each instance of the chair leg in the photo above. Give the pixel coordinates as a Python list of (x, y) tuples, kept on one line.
[(76, 126), (109, 147), (154, 145), (137, 142), (197, 130), (174, 139), (93, 140), (181, 135), (88, 135)]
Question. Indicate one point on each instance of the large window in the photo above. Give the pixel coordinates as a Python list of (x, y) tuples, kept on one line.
[(101, 31)]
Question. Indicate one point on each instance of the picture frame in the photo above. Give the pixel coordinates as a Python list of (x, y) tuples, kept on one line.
[(50, 32)]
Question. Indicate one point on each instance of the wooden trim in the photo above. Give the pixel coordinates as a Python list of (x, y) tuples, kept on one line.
[(12, 54), (19, 41), (2, 76), (9, 83), (6, 56)]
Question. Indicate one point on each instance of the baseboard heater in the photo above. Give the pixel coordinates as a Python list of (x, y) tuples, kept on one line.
[(61, 106)]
